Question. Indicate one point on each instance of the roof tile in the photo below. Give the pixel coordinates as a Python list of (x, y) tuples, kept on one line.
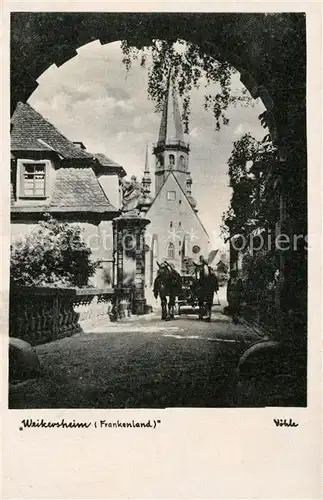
[(105, 161), (77, 187), (28, 127)]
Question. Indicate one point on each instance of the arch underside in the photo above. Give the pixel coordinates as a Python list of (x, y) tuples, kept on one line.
[(257, 45)]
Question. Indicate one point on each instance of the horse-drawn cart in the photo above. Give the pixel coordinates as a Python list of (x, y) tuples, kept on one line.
[(194, 294), (187, 302)]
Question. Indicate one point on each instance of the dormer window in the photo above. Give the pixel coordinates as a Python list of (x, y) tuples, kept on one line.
[(32, 178)]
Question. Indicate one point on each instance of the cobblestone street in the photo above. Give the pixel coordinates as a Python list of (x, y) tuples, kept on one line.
[(141, 362)]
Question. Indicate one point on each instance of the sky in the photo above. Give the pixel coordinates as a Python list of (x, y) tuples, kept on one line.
[(92, 99)]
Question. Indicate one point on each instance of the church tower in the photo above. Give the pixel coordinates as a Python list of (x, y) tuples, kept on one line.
[(176, 233), (171, 151)]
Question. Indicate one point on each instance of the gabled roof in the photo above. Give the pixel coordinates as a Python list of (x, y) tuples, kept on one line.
[(105, 161), (76, 188), (185, 196), (31, 131)]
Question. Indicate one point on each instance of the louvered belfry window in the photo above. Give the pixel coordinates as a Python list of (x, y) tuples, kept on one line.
[(33, 180), (171, 251)]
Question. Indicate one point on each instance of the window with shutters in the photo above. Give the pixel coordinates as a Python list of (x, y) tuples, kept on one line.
[(32, 180)]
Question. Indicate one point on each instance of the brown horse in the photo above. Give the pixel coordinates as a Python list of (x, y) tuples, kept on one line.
[(206, 285), (167, 285)]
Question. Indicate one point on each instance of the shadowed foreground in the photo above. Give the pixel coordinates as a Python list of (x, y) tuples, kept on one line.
[(139, 363)]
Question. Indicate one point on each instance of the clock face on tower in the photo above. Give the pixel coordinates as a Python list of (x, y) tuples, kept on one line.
[(196, 249)]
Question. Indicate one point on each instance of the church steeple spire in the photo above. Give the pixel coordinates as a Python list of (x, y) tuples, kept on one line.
[(171, 129), (171, 150), (146, 161), (146, 180)]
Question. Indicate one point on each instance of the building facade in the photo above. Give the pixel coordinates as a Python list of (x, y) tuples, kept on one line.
[(50, 174)]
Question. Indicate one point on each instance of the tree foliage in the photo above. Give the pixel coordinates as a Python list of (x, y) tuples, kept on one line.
[(251, 205), (54, 254), (253, 211), (188, 66)]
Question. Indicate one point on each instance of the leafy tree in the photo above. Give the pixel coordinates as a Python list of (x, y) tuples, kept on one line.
[(252, 205), (53, 254), (188, 66), (277, 38)]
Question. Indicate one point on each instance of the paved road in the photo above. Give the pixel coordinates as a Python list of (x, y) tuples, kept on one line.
[(139, 363)]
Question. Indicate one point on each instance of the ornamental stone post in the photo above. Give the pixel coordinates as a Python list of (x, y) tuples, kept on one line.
[(129, 235)]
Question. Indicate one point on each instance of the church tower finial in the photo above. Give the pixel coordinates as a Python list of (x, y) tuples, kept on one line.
[(146, 180), (146, 160)]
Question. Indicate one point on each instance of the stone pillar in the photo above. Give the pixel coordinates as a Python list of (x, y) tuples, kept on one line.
[(114, 270), (117, 253), (131, 223), (139, 299)]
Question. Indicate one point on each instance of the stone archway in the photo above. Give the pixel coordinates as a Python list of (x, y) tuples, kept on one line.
[(40, 39), (269, 51)]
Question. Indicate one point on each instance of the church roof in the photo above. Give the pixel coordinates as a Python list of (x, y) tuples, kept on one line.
[(171, 130), (185, 195)]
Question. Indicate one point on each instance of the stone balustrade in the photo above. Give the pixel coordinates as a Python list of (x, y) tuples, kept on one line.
[(44, 314)]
